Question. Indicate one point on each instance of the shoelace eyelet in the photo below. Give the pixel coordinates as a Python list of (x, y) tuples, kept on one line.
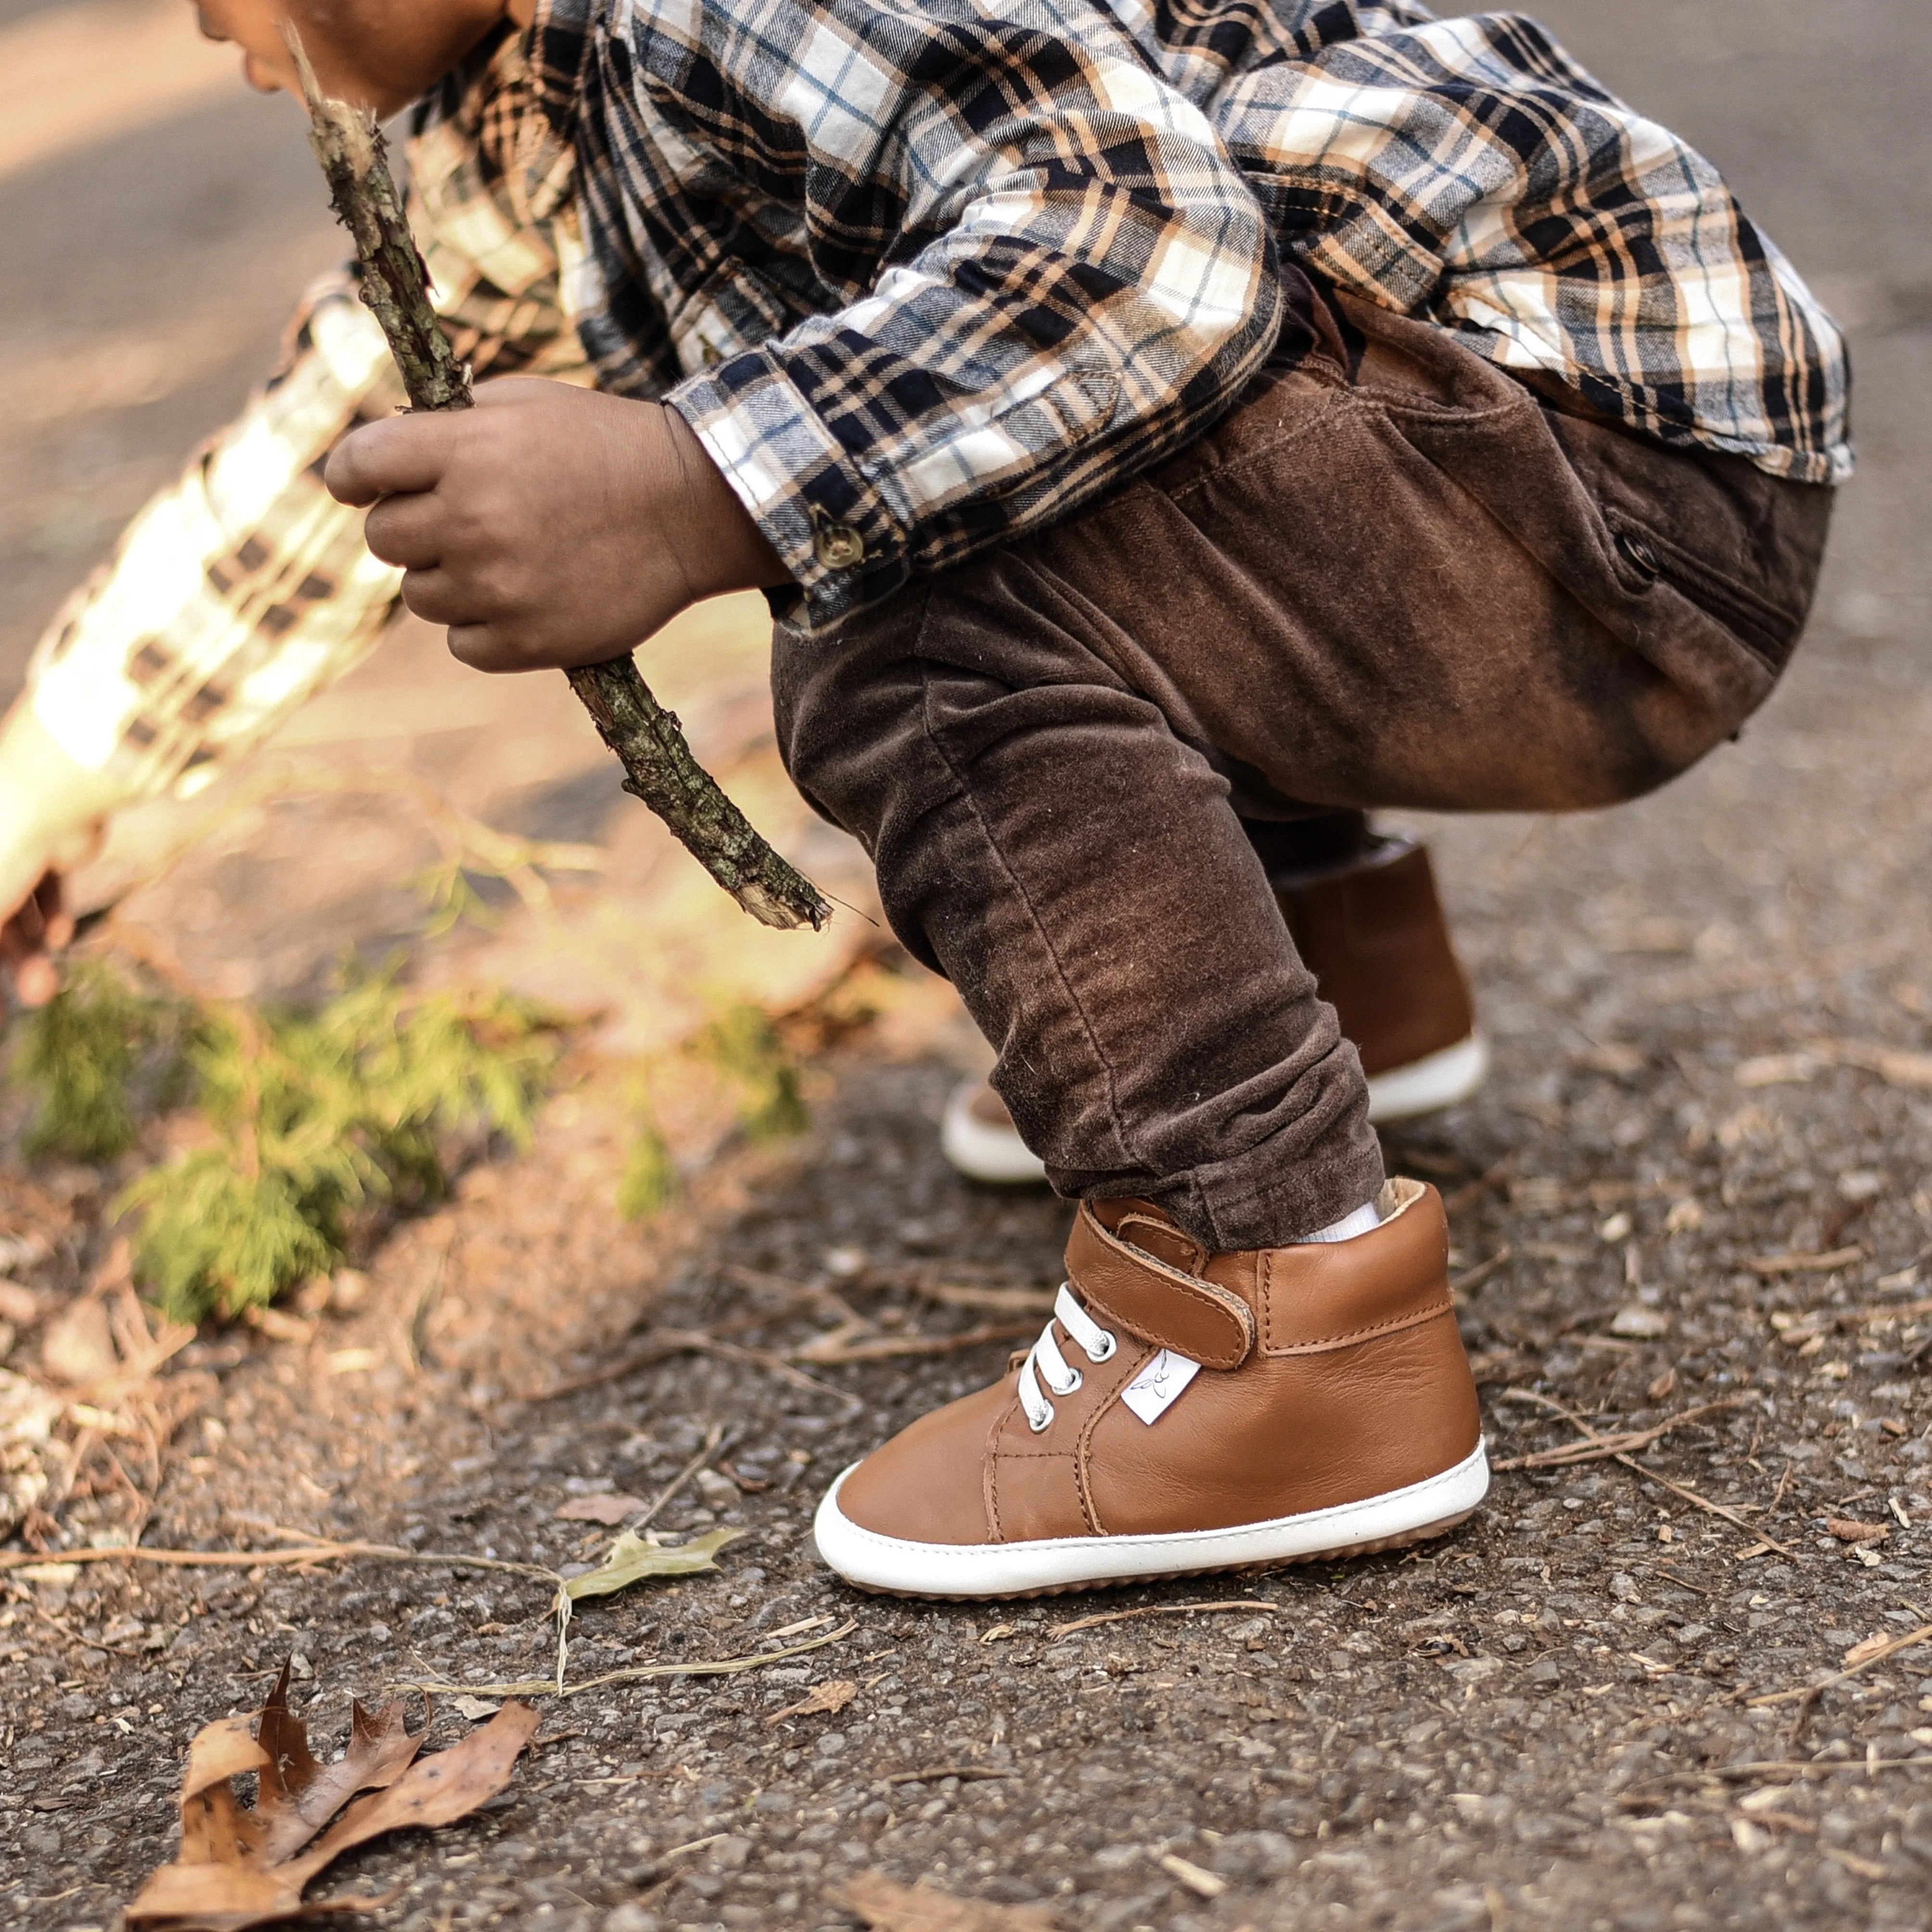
[(1108, 1351), (1046, 1422)]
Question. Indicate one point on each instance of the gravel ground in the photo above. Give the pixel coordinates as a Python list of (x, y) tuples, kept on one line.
[(1711, 1013)]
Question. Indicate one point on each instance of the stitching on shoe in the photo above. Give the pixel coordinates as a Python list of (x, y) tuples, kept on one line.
[(1083, 1447), (1320, 1344)]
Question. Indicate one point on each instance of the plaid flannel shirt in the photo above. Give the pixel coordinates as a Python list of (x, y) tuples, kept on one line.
[(922, 277)]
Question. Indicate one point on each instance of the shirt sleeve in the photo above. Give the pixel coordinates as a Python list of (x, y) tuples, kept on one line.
[(245, 588), (1079, 280)]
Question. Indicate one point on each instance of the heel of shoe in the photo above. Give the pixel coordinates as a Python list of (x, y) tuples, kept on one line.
[(982, 1150), (1429, 1085)]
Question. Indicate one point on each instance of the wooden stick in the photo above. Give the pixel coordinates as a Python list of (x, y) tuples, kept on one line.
[(658, 764)]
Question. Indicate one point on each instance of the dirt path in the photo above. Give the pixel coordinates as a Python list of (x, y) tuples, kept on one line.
[(1706, 1010)]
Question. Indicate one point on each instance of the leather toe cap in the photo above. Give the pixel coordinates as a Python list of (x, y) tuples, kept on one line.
[(927, 1484)]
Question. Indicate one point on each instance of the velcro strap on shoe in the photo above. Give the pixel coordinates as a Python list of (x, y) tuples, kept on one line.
[(1128, 1288)]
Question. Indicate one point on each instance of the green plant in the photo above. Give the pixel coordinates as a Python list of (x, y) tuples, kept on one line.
[(742, 1044), (83, 1055), (650, 1179), (317, 1118)]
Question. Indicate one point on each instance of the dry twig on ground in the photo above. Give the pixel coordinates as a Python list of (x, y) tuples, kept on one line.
[(1614, 1455), (1059, 1630)]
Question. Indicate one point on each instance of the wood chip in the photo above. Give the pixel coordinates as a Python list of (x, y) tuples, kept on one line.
[(1203, 1884), (1847, 1529), (606, 1508), (825, 1698), (1768, 1265)]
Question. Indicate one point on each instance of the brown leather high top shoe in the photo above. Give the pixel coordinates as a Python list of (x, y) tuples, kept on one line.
[(1186, 1411), (1372, 930)]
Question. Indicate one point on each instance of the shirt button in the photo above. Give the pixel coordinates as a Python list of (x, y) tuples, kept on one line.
[(1638, 555), (839, 547)]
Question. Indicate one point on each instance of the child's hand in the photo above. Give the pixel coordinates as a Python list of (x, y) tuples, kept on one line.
[(550, 526)]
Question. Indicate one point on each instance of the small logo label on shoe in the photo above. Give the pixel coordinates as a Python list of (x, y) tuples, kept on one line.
[(1158, 1387)]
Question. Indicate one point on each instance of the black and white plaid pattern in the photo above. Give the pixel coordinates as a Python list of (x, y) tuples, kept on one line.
[(925, 274)]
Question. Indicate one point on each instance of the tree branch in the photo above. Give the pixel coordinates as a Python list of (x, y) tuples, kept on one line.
[(658, 765)]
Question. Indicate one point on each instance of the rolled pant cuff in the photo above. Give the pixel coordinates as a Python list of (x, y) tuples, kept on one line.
[(1266, 1199)]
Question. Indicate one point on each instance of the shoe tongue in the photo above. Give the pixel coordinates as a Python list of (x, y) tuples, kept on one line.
[(1164, 1241)]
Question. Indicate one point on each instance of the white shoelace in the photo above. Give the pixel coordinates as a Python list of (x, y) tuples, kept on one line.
[(1045, 1363)]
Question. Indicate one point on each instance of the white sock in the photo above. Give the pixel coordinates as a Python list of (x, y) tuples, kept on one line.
[(1361, 1221)]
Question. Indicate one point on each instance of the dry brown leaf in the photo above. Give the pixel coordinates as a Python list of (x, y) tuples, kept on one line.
[(823, 1698), (606, 1508), (240, 1866), (298, 1796), (1846, 1531), (887, 1907)]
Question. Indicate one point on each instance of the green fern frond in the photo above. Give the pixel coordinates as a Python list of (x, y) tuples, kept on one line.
[(83, 1055), (213, 1240)]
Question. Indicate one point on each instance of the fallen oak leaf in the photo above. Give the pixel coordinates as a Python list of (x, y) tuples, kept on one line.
[(824, 1699), (298, 1797), (631, 1558), (235, 1871), (436, 1790), (887, 1907), (605, 1507)]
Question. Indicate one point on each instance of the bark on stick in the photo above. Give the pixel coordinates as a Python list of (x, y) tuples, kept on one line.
[(658, 765)]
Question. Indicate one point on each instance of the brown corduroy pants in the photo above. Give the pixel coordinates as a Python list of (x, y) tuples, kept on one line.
[(1394, 576)]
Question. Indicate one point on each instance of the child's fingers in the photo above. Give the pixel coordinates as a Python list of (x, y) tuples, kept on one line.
[(403, 454), (439, 598), (407, 531), (482, 648)]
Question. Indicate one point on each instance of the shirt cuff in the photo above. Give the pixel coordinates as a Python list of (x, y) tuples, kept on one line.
[(832, 529)]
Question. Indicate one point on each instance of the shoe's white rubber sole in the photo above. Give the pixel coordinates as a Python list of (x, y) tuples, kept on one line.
[(896, 1567), (998, 1155), (1428, 1085), (982, 1153)]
